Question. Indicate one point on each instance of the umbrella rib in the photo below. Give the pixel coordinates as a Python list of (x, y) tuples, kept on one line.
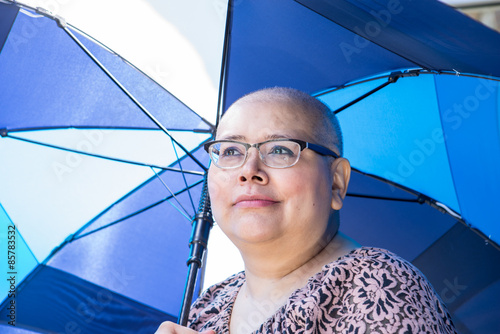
[(212, 127), (118, 201), (136, 212), (225, 54), (19, 234), (393, 77), (172, 169), (92, 127), (77, 235), (419, 200), (62, 24), (186, 215), (183, 176)]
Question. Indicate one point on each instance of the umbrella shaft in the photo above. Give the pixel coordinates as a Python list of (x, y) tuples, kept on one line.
[(199, 239), (188, 293)]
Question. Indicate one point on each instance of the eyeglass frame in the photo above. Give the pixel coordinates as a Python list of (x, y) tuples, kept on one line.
[(321, 150)]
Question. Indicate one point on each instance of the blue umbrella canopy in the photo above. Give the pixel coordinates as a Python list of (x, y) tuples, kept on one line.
[(97, 195), (443, 122), (425, 175)]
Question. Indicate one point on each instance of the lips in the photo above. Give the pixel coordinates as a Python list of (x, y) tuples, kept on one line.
[(254, 201)]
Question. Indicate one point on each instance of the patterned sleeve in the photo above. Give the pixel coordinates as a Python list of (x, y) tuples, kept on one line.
[(212, 310), (386, 294)]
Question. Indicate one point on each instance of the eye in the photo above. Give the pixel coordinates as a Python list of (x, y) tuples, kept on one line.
[(281, 150), (231, 151)]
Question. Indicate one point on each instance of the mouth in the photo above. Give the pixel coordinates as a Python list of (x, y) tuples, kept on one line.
[(254, 202)]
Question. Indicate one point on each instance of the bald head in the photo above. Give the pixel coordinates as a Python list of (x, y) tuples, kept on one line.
[(318, 116)]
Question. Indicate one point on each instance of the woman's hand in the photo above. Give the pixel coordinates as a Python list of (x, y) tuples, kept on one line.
[(169, 327)]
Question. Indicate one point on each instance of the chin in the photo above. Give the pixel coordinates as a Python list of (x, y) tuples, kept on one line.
[(252, 231)]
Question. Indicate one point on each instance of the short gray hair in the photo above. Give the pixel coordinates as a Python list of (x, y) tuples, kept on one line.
[(329, 128)]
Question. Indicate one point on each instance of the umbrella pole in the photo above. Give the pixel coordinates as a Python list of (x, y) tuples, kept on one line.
[(202, 224)]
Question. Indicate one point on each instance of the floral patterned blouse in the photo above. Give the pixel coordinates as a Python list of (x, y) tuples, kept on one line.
[(369, 290)]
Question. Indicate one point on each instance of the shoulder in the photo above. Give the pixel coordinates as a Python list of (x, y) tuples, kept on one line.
[(372, 289), (386, 291), (375, 269), (366, 262), (370, 258), (213, 306)]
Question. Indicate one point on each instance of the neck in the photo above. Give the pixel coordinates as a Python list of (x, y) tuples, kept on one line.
[(279, 274)]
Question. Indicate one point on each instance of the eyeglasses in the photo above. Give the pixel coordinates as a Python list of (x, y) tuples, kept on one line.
[(275, 153)]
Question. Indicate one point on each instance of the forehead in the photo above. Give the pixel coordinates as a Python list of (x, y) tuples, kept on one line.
[(274, 117)]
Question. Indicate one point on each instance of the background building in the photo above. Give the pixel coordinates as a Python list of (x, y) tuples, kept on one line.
[(486, 12)]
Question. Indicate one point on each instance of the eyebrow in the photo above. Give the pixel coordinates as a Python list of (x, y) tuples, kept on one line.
[(268, 137), (278, 137), (233, 137)]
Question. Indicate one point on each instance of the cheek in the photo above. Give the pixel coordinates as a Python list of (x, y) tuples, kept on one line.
[(218, 181), (218, 187), (296, 189), (310, 190)]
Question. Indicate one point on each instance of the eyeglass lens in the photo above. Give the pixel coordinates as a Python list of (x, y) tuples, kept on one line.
[(278, 154)]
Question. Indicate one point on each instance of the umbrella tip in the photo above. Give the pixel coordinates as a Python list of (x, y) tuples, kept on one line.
[(61, 22), (3, 132)]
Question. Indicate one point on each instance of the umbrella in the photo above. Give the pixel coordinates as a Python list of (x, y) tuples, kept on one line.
[(94, 188), (319, 46)]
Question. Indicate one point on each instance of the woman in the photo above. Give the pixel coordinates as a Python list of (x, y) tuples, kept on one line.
[(276, 184)]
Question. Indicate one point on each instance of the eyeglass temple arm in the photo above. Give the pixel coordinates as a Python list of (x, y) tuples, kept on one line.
[(321, 150)]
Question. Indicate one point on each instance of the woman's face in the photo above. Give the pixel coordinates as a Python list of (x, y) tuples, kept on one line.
[(256, 204)]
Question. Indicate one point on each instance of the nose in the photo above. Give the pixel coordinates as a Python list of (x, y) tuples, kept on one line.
[(252, 171)]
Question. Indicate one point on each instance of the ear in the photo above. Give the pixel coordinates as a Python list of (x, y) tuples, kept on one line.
[(341, 171)]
